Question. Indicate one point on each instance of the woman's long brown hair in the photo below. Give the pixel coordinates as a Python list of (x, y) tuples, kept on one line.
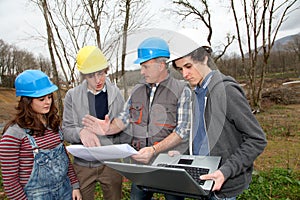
[(28, 119)]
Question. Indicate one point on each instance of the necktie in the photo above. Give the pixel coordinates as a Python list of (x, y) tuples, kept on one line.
[(152, 92)]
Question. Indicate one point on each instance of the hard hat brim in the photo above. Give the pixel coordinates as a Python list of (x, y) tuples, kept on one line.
[(173, 58), (141, 60), (39, 93), (175, 55), (92, 69)]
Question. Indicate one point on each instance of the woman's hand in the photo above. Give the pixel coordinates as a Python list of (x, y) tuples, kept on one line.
[(76, 195)]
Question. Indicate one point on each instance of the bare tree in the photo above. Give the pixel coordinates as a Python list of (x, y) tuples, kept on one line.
[(261, 22), (132, 15), (44, 64), (5, 58), (129, 10), (13, 61), (66, 30), (66, 21), (6, 68), (51, 44), (294, 48), (124, 43), (86, 22), (188, 8)]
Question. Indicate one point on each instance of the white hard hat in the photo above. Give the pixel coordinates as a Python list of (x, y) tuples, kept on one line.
[(186, 42)]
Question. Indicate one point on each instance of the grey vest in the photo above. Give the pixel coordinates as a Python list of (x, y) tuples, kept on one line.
[(153, 125)]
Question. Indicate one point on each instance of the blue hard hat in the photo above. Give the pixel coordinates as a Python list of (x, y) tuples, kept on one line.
[(33, 83), (150, 48)]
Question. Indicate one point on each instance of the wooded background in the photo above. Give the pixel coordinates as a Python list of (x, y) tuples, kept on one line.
[(71, 24)]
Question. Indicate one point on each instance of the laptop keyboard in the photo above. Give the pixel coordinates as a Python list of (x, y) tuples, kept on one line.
[(195, 172)]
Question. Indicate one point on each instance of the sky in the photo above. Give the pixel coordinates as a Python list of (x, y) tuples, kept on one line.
[(21, 23)]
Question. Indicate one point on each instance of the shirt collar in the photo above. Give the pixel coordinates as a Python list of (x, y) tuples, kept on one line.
[(103, 90), (152, 84), (206, 81)]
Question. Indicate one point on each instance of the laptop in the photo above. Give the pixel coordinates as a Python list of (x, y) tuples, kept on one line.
[(172, 175)]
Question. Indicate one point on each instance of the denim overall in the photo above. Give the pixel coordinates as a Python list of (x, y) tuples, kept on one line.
[(49, 177)]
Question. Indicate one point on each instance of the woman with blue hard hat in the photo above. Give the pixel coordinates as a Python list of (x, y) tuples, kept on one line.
[(34, 161)]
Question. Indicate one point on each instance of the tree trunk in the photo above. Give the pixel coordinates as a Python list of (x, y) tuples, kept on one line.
[(50, 43), (124, 45)]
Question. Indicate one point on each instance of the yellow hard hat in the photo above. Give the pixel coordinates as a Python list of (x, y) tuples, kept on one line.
[(90, 59)]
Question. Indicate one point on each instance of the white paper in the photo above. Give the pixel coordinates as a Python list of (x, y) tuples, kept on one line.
[(108, 152)]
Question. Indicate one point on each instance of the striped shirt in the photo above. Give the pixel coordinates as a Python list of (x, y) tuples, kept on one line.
[(17, 161)]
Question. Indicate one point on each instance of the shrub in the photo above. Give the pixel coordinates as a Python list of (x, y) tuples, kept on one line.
[(277, 183)]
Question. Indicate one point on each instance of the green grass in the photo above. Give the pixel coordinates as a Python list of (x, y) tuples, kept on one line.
[(275, 184), (278, 168), (278, 183), (280, 120), (279, 75)]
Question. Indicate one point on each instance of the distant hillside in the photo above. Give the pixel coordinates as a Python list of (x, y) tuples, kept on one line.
[(284, 41)]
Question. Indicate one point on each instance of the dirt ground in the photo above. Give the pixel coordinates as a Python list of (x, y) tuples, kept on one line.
[(282, 125), (8, 101)]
